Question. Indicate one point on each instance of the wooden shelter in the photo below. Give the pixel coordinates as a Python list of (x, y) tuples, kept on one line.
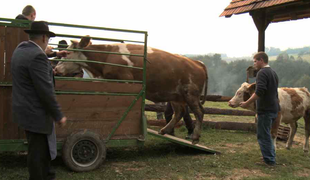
[(265, 12)]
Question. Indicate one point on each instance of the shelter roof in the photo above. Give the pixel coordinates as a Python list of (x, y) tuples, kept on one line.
[(276, 10)]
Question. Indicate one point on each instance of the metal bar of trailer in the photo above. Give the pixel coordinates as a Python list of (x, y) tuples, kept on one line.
[(97, 62), (78, 26), (124, 116), (94, 79), (14, 25), (15, 22), (82, 79), (104, 52), (95, 93), (98, 38), (5, 84), (96, 27), (144, 123)]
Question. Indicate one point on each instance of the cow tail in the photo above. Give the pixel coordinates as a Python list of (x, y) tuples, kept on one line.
[(205, 88)]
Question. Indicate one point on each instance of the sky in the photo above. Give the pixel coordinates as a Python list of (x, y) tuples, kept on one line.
[(176, 26)]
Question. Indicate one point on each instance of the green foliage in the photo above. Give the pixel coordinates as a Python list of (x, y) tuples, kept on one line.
[(225, 78), (271, 51), (303, 81)]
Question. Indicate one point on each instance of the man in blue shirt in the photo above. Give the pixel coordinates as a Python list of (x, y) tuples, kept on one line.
[(266, 95)]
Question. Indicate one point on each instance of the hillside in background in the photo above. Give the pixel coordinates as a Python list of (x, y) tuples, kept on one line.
[(226, 77), (291, 53)]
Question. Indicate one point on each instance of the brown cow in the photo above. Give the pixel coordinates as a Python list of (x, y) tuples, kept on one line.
[(169, 77), (294, 103)]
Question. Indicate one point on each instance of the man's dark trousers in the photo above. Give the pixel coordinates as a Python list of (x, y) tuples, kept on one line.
[(39, 157), (186, 117)]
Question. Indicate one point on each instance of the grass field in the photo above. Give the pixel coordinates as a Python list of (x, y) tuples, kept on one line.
[(162, 160)]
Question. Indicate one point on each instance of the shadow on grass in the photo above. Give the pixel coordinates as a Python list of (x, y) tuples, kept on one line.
[(152, 151), (13, 160)]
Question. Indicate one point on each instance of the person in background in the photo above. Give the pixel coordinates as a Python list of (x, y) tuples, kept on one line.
[(186, 117), (266, 95), (160, 115), (29, 13), (57, 54), (34, 105)]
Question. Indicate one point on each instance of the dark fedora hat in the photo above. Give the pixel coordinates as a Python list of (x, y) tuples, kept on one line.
[(40, 27)]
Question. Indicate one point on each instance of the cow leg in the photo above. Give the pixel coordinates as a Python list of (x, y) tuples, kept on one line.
[(168, 115), (179, 110), (189, 123), (191, 95), (307, 130), (274, 129), (293, 126), (198, 111)]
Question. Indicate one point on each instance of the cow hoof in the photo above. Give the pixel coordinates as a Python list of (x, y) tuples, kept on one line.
[(196, 141), (306, 150), (161, 132)]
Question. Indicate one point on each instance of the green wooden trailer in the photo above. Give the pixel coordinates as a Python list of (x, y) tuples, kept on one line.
[(101, 113)]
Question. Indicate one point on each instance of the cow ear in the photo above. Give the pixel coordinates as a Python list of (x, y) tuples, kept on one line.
[(74, 42), (85, 41), (251, 88)]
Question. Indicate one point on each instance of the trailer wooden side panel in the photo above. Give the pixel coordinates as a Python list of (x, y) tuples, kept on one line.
[(110, 87), (10, 44), (10, 37), (10, 129), (14, 36), (1, 111), (2, 45), (2, 48), (100, 114)]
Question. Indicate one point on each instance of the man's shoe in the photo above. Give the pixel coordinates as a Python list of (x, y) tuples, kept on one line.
[(271, 163), (262, 163)]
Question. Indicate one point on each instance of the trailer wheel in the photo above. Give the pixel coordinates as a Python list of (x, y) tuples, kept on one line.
[(83, 151)]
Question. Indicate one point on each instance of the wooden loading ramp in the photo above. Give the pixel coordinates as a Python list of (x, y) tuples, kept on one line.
[(181, 141)]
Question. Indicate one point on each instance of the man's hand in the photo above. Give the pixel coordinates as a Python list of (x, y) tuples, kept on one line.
[(54, 71), (62, 122), (48, 50), (244, 104), (62, 53)]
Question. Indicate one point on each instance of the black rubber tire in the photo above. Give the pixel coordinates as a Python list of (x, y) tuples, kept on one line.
[(83, 151)]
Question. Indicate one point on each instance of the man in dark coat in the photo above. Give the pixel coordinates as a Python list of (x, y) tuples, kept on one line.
[(34, 105), (29, 13)]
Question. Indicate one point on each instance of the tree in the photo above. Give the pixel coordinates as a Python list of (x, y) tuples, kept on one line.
[(283, 56), (303, 81)]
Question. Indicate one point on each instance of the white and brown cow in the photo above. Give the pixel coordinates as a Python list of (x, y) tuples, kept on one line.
[(294, 103), (169, 77)]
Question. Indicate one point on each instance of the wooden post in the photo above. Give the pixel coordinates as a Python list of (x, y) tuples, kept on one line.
[(261, 21)]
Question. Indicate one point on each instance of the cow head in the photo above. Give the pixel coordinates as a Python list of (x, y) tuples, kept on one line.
[(64, 68), (243, 94)]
